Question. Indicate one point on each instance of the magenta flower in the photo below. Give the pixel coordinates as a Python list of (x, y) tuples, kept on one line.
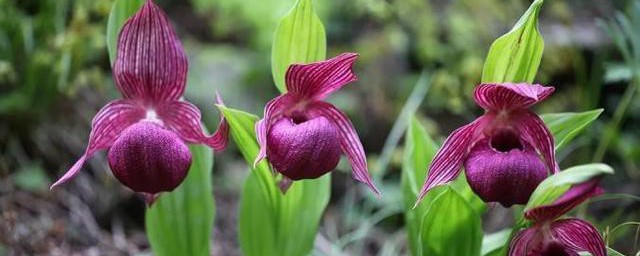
[(146, 130), (304, 136), (550, 235), (506, 152)]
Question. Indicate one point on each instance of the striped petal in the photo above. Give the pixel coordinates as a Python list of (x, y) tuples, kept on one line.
[(151, 64), (272, 112), (446, 164), (318, 80), (349, 141), (579, 235), (570, 199), (106, 126), (536, 132), (184, 118), (523, 242), (510, 96)]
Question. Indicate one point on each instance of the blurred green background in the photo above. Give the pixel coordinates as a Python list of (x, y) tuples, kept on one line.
[(55, 75)]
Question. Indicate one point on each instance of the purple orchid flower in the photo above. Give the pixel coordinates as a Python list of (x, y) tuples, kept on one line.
[(506, 152), (550, 235), (146, 130), (304, 136)]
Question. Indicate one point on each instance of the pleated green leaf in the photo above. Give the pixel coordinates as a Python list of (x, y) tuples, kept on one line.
[(450, 227), (418, 153), (180, 222), (121, 11), (299, 38), (515, 56), (565, 126), (272, 223), (556, 185)]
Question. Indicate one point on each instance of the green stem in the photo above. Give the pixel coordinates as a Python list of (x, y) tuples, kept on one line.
[(614, 125)]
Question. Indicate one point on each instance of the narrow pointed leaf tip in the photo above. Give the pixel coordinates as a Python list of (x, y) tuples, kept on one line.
[(515, 56)]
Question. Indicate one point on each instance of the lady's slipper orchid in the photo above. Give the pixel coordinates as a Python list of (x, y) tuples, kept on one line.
[(304, 136), (552, 236), (146, 131), (506, 152)]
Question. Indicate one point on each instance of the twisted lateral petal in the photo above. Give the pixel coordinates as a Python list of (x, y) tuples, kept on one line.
[(536, 132), (446, 163), (523, 243), (349, 141), (510, 96), (318, 80), (184, 118), (150, 62), (106, 126), (272, 112), (570, 199), (579, 235)]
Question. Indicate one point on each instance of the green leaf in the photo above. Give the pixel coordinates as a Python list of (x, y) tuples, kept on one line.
[(515, 56), (450, 227), (299, 38), (495, 241), (556, 185), (121, 10), (612, 252), (180, 222), (418, 153), (565, 126), (272, 223)]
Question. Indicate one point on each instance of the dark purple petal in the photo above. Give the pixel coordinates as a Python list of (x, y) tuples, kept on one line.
[(150, 63), (504, 175), (524, 242), (272, 112), (149, 159), (106, 126), (318, 80), (570, 199), (349, 141), (498, 97), (447, 162), (557, 249), (579, 235), (304, 150), (536, 132), (184, 118)]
